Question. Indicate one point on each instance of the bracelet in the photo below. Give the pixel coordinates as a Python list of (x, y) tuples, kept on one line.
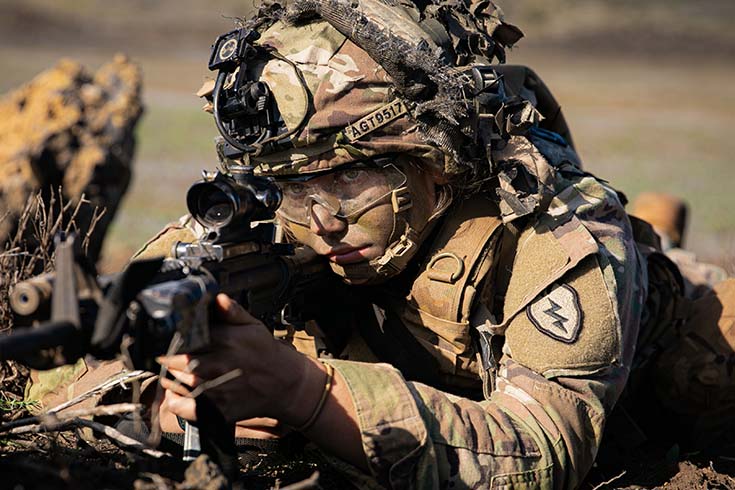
[(322, 401)]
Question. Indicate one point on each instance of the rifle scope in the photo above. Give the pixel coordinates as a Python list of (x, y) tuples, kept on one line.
[(233, 200)]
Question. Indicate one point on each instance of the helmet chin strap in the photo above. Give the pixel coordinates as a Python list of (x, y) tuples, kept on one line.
[(398, 253), (403, 245)]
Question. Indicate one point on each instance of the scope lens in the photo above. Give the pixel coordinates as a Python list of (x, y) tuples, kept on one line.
[(214, 206)]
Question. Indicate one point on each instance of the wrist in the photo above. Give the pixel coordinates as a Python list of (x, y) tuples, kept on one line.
[(302, 393), (317, 410)]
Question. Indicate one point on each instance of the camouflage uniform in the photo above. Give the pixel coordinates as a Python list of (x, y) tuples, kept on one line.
[(543, 422), (567, 321), (539, 312)]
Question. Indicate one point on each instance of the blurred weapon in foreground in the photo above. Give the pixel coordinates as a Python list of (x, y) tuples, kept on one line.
[(141, 310)]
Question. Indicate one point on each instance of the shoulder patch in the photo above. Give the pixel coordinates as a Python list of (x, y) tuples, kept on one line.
[(579, 335), (557, 314)]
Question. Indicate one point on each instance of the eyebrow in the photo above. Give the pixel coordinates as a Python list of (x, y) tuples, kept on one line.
[(377, 162)]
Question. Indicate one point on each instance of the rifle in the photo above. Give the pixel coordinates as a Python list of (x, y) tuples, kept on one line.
[(68, 314)]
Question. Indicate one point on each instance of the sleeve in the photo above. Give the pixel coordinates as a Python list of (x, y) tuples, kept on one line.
[(565, 363), (160, 245)]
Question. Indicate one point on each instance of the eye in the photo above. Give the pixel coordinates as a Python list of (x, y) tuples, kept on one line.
[(352, 175), (294, 189)]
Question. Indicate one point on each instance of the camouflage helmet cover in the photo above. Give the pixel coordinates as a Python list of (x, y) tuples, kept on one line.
[(344, 86), (344, 106)]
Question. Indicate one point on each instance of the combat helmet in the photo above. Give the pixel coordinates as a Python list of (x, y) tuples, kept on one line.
[(315, 85)]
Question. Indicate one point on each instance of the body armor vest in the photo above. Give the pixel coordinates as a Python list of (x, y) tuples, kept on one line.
[(438, 309), (426, 331)]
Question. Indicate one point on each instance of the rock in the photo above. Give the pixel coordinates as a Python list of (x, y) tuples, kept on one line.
[(70, 129), (203, 474)]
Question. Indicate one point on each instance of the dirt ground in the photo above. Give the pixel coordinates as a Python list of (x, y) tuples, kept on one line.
[(646, 86), (64, 460)]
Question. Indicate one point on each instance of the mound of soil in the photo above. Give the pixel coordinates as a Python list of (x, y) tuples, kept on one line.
[(690, 477), (72, 130)]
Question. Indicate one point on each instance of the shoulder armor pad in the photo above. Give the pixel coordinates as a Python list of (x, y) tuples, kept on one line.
[(559, 316)]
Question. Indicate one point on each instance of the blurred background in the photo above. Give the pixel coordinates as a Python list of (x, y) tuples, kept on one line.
[(647, 86)]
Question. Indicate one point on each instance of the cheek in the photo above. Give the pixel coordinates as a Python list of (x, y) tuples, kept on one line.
[(375, 226)]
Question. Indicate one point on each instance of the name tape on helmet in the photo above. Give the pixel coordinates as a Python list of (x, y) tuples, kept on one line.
[(375, 120)]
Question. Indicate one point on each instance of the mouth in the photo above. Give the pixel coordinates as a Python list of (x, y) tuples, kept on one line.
[(348, 255)]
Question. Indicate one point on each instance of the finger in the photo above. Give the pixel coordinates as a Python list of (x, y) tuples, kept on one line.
[(259, 423), (181, 362), (189, 379), (179, 405), (260, 432), (175, 386), (230, 311)]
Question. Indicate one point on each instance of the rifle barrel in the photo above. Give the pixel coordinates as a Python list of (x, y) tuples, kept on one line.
[(23, 343)]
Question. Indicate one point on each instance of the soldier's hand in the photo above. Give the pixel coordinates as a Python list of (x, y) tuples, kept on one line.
[(246, 372)]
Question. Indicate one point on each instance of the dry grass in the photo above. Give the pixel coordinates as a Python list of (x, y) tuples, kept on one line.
[(27, 253), (30, 249)]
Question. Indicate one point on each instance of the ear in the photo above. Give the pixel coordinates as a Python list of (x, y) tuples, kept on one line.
[(437, 172), (439, 178), (433, 174)]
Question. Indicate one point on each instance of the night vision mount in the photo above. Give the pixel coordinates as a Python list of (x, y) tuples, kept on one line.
[(244, 109)]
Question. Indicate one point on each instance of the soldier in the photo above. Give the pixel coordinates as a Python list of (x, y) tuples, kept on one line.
[(496, 297), (494, 289)]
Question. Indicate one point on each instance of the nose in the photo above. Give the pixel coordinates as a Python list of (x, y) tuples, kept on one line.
[(324, 222)]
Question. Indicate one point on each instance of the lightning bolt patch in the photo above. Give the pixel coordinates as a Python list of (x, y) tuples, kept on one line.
[(558, 319), (557, 314)]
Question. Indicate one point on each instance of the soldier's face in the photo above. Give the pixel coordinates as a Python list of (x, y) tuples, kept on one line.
[(350, 242)]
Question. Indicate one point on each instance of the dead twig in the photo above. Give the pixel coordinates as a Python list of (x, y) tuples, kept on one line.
[(611, 480), (97, 215), (120, 439), (73, 420), (51, 421), (103, 388), (213, 383), (71, 223), (8, 378)]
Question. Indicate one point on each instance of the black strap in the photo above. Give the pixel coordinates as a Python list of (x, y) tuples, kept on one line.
[(392, 342), (250, 451), (241, 443)]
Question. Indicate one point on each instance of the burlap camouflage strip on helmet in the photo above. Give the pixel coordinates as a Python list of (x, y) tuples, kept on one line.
[(345, 85)]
